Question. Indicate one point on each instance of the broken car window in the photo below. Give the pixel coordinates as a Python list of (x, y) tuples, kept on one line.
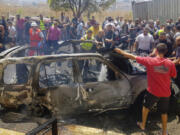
[(95, 71), (56, 74), (16, 74)]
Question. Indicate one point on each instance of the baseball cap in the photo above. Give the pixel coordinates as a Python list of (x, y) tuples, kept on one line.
[(34, 24)]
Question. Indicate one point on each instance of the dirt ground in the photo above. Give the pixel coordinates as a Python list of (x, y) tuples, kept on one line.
[(109, 123), (123, 122)]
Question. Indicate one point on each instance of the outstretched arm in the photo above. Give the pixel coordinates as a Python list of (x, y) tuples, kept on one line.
[(125, 54)]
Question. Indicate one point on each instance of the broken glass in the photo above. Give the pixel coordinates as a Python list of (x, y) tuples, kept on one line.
[(56, 74)]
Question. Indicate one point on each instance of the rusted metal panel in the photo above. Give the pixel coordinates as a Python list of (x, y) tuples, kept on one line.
[(160, 9), (140, 10)]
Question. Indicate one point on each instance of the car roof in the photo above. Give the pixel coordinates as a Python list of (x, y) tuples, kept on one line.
[(61, 44), (6, 52), (51, 57), (37, 59)]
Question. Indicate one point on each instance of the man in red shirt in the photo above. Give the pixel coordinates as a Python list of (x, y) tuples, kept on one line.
[(159, 73)]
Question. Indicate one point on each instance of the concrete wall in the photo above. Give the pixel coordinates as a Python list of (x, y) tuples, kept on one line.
[(156, 9)]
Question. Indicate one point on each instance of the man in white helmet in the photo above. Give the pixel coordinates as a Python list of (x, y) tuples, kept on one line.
[(36, 36)]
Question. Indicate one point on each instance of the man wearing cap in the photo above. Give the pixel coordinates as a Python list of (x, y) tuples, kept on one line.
[(36, 37), (87, 46), (95, 29), (109, 36)]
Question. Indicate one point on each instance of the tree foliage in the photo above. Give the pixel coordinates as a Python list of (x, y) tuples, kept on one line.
[(80, 6)]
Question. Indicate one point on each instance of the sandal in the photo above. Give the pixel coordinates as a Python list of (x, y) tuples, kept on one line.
[(139, 126)]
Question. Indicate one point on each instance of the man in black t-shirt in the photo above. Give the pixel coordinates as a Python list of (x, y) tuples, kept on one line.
[(165, 40)]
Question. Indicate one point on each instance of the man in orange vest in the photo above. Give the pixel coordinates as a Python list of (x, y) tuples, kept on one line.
[(36, 37)]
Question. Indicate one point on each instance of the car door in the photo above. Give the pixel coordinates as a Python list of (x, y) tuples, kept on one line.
[(105, 87), (16, 89), (58, 86)]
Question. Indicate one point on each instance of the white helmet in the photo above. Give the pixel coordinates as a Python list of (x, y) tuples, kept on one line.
[(34, 24)]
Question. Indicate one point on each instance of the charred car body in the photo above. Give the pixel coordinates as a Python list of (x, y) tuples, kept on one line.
[(68, 84)]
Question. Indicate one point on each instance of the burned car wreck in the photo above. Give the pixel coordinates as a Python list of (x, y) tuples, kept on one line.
[(69, 84)]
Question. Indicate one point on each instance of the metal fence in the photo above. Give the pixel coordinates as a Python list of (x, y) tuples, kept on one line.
[(156, 9)]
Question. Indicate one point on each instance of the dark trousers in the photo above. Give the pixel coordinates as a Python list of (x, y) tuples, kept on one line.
[(27, 38), (52, 46), (140, 51), (20, 36)]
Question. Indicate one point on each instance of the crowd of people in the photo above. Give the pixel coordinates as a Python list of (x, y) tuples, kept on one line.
[(138, 36), (112, 32)]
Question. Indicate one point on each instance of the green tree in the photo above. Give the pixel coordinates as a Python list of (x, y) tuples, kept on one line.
[(80, 6)]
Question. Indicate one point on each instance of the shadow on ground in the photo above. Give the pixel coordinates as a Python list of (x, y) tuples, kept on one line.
[(121, 122)]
